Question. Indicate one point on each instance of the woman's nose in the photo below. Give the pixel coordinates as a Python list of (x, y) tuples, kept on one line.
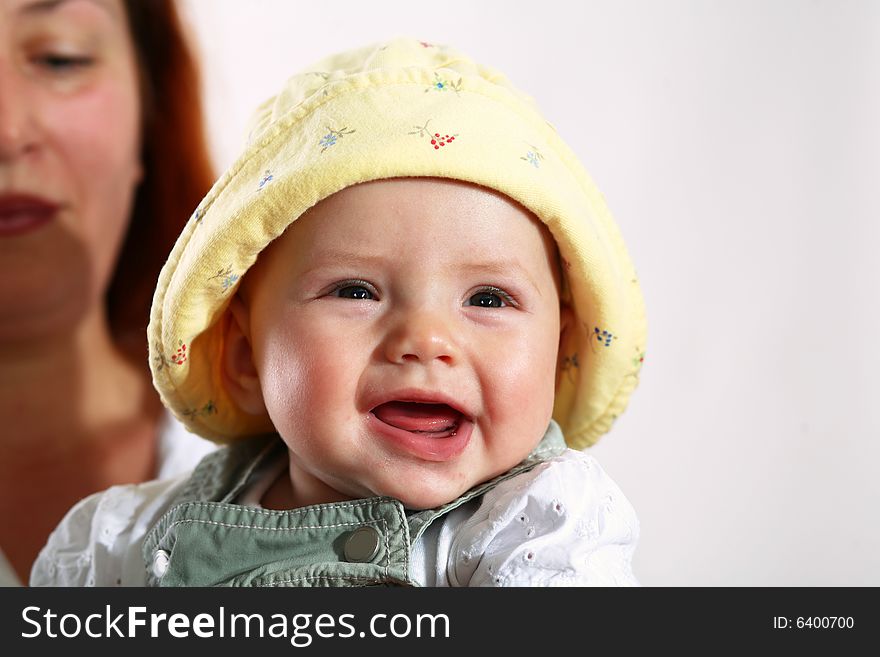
[(15, 114), (421, 337)]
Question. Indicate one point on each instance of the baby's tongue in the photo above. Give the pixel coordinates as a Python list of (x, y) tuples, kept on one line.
[(412, 416)]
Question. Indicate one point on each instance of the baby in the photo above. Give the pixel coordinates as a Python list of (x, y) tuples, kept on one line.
[(407, 308)]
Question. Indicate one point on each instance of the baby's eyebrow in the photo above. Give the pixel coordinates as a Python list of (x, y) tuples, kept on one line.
[(508, 268)]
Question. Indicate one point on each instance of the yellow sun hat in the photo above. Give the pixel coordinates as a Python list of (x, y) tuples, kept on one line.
[(402, 109)]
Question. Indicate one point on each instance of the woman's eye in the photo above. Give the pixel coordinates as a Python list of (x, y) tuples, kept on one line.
[(353, 292), (60, 63), (487, 300)]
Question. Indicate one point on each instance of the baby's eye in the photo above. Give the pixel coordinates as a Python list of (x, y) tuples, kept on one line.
[(490, 298), (353, 291)]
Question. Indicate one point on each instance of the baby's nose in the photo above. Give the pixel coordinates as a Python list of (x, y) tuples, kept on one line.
[(421, 339)]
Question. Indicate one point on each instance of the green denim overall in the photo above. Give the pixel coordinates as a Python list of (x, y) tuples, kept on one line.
[(204, 539)]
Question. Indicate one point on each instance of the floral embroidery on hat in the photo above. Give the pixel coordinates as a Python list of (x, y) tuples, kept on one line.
[(333, 136), (227, 278), (437, 140), (639, 358), (179, 357), (208, 409), (162, 361), (604, 337), (443, 84), (533, 157), (267, 178)]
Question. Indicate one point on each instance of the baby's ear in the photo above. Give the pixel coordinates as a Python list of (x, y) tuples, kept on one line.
[(240, 375), (566, 326)]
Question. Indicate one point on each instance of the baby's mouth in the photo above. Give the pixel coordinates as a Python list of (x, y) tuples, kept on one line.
[(431, 420)]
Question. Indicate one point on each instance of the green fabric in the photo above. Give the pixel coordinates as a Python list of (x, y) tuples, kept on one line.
[(213, 542)]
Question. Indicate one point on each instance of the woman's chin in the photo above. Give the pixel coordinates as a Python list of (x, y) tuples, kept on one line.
[(44, 292)]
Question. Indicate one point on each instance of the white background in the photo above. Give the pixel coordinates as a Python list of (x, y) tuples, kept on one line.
[(737, 143)]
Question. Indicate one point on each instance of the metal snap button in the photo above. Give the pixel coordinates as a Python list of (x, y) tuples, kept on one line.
[(161, 559), (362, 545)]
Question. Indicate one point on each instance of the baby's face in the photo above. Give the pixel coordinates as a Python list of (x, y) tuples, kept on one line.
[(404, 334)]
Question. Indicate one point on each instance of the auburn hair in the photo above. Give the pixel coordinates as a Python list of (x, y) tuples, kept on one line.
[(177, 169)]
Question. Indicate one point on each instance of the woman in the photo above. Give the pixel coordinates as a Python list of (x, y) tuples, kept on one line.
[(102, 159)]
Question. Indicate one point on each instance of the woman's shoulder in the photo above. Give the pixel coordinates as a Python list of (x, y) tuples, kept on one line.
[(98, 543), (563, 523)]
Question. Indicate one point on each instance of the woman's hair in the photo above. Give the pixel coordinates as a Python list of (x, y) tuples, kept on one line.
[(177, 170)]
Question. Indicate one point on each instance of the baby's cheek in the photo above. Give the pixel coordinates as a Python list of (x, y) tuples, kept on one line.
[(300, 388), (283, 371), (522, 405), (529, 381)]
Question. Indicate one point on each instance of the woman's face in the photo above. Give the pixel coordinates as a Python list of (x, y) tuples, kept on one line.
[(69, 158)]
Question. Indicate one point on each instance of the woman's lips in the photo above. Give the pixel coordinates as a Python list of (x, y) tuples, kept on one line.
[(20, 214), (431, 432)]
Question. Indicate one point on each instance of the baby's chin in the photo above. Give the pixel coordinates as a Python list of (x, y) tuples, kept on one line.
[(425, 497), (415, 496), (429, 489), (422, 503), (415, 493)]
